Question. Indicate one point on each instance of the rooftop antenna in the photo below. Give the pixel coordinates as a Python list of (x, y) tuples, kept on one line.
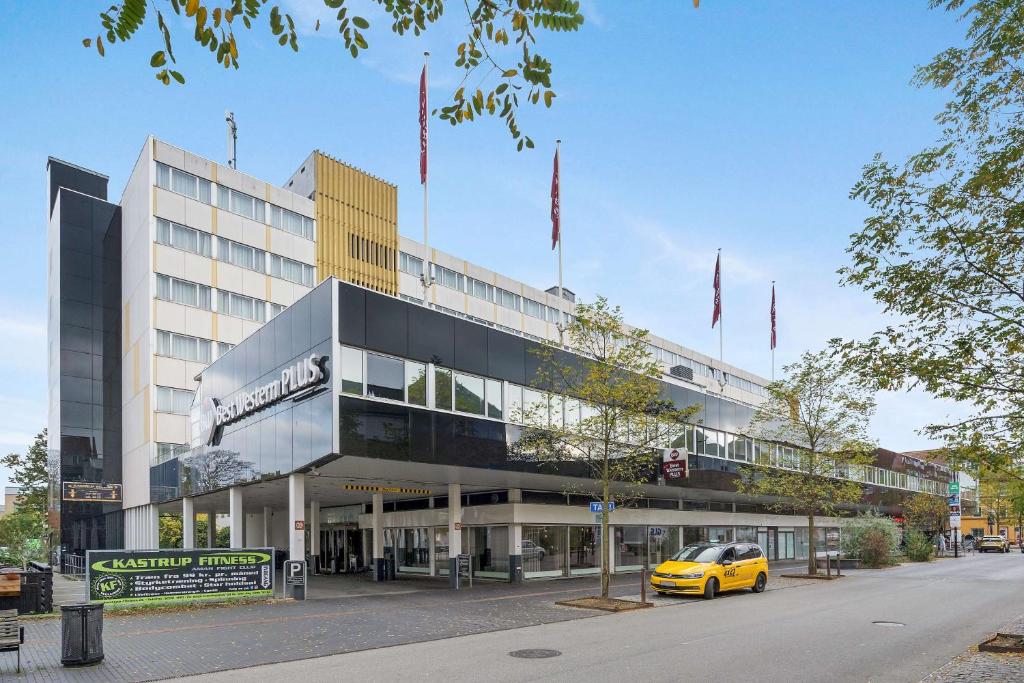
[(232, 139)]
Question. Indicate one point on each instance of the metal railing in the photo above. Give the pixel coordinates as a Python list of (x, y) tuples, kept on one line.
[(74, 565)]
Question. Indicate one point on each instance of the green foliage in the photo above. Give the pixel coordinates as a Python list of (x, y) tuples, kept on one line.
[(170, 531), (499, 43), (861, 539), (919, 548), (942, 250), (819, 410), (23, 537), (31, 472), (925, 512), (611, 385)]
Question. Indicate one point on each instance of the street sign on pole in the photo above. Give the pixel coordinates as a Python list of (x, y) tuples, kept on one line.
[(954, 488), (596, 506)]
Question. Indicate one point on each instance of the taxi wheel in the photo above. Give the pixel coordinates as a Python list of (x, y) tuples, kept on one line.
[(710, 588), (759, 583)]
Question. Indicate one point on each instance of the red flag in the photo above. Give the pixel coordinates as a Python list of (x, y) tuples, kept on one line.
[(423, 126), (718, 292), (773, 316), (556, 222)]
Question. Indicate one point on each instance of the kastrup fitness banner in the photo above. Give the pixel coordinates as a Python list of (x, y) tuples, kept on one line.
[(169, 575)]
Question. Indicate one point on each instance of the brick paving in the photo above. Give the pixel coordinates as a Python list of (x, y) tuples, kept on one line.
[(153, 646), (983, 667)]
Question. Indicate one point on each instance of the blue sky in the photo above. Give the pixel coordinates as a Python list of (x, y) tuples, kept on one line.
[(739, 125)]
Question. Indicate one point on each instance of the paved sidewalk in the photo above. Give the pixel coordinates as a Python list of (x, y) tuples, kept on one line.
[(154, 646), (984, 667)]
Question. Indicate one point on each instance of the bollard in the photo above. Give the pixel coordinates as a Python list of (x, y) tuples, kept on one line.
[(643, 586)]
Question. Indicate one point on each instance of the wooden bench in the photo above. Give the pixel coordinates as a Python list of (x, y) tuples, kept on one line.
[(10, 584), (12, 635)]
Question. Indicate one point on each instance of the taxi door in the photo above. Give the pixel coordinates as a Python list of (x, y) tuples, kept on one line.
[(746, 562), (731, 570)]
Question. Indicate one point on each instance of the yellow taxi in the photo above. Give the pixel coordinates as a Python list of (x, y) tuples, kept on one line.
[(992, 543), (710, 568)]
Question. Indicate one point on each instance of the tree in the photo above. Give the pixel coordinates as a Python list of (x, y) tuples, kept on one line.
[(170, 531), (23, 536), (499, 44), (925, 512), (997, 493), (610, 414), (30, 473), (943, 247), (823, 414)]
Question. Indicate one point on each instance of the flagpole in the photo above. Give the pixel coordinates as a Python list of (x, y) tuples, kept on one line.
[(773, 330), (561, 298), (721, 324), (427, 277)]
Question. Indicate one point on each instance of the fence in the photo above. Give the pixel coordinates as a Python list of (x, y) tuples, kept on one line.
[(73, 565)]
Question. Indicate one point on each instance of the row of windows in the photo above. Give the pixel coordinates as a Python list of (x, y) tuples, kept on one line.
[(671, 359), (200, 296), (446, 277), (189, 185), (374, 375), (172, 400), (371, 252), (185, 347), (169, 451), (236, 253)]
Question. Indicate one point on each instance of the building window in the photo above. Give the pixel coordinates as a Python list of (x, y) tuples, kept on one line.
[(275, 309), (241, 203), (494, 402), (240, 306), (416, 383), (169, 451), (443, 388), (183, 183), (181, 237), (182, 292), (289, 221), (171, 400), (469, 394), (241, 255), (385, 377), (479, 289), (508, 299), (183, 346), (514, 401), (351, 371), (408, 263), (223, 347), (290, 270), (446, 277), (534, 309)]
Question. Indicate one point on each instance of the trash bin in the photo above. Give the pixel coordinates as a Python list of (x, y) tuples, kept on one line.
[(81, 633)]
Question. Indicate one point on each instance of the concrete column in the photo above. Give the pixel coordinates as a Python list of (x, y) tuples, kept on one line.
[(237, 517), (296, 513), (268, 516), (152, 527), (379, 573), (211, 529), (188, 523), (515, 553), (454, 535)]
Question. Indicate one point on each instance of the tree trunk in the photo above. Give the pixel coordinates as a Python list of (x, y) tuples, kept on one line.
[(812, 553)]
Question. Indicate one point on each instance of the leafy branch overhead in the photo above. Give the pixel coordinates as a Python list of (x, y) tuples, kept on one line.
[(499, 49)]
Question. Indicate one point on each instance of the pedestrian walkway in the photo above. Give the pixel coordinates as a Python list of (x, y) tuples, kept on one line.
[(67, 590), (982, 667), (364, 615)]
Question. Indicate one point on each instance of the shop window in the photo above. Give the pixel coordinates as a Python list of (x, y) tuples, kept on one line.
[(385, 377), (630, 547), (544, 551), (662, 542), (351, 371), (584, 549)]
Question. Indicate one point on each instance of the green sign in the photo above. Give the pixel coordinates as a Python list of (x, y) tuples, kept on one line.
[(172, 575), (954, 488)]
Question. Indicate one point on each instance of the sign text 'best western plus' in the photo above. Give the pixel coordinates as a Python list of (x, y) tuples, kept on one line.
[(304, 374)]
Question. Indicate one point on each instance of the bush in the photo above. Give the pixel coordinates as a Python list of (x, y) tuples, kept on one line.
[(919, 548), (872, 538)]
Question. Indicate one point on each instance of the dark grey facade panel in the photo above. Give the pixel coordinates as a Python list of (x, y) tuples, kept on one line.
[(506, 356), (352, 315), (387, 324), (86, 333), (470, 347)]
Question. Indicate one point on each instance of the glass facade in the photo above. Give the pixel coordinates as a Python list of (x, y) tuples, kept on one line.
[(584, 549), (544, 549), (84, 330)]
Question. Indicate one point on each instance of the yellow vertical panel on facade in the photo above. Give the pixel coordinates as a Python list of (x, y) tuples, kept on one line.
[(135, 369)]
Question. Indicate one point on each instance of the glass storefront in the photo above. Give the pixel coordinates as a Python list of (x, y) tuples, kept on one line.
[(584, 549), (630, 547), (662, 543), (746, 534), (412, 551), (441, 550), (544, 551), (489, 550)]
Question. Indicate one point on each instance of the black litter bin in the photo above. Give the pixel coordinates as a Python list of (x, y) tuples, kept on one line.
[(81, 633)]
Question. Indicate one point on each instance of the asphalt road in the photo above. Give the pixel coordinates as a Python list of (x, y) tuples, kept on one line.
[(824, 631)]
